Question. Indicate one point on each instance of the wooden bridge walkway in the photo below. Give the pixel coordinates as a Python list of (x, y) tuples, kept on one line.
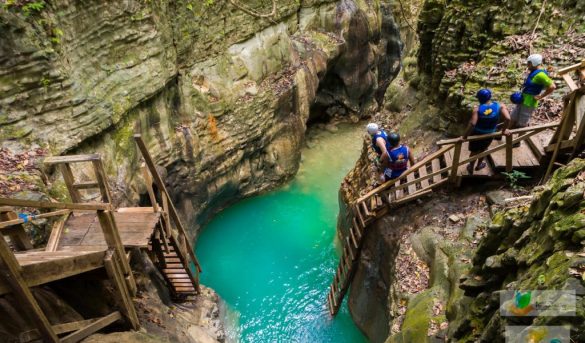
[(91, 236), (448, 165)]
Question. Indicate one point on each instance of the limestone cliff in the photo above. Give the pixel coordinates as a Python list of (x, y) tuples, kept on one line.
[(222, 97)]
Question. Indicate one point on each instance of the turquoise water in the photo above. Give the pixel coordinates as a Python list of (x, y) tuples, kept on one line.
[(272, 257)]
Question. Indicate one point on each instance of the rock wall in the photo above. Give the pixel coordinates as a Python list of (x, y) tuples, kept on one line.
[(463, 46), (535, 247), (221, 97)]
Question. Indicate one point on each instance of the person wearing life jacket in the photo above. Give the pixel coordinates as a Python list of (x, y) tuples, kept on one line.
[(380, 145), (398, 155), (532, 91), (484, 120)]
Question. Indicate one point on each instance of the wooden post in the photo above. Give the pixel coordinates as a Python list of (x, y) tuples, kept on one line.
[(10, 271), (509, 153), (102, 180), (455, 165), (150, 190), (69, 182), (122, 293), (113, 240), (56, 232), (569, 116)]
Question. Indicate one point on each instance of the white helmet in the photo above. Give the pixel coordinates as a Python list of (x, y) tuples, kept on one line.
[(535, 60), (372, 128)]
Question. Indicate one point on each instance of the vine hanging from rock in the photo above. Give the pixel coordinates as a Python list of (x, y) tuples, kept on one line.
[(254, 13)]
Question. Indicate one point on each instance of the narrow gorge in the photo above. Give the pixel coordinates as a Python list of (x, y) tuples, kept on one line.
[(254, 114)]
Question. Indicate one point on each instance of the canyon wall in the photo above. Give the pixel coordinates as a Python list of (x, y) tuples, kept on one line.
[(222, 97)]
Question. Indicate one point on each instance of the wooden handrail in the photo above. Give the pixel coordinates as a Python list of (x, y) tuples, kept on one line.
[(56, 205), (571, 68), (497, 134), (410, 170), (71, 159), (32, 217), (163, 189)]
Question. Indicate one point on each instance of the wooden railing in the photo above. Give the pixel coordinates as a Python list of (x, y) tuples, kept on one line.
[(171, 219), (114, 262)]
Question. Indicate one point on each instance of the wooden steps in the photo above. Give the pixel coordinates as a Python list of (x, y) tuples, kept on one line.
[(523, 157), (174, 271)]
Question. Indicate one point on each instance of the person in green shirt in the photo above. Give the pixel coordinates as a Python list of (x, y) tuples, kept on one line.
[(536, 82)]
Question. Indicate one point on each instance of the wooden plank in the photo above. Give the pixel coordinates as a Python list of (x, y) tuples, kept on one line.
[(579, 109), (10, 272), (359, 216), (112, 237), (455, 162), (435, 166), (185, 289), (509, 153), (33, 217), (565, 128), (59, 329), (121, 292), (499, 133), (56, 233), (352, 236), (135, 210), (85, 185), (357, 230), (102, 180), (412, 187), (71, 159), (55, 205), (51, 269), (148, 181), (349, 249), (537, 148), (422, 172), (92, 328), (69, 181), (177, 276), (414, 196), (572, 67), (569, 80)]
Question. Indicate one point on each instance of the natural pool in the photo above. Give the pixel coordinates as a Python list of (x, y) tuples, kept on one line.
[(272, 257)]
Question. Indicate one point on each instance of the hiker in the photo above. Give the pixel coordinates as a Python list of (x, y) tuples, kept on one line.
[(380, 145), (484, 120), (527, 100), (398, 155)]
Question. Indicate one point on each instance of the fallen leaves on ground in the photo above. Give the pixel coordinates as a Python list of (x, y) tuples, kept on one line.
[(15, 168)]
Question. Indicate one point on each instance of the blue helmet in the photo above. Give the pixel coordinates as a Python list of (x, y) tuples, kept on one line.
[(483, 95), (516, 98)]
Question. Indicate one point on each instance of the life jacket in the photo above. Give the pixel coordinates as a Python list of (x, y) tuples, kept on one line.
[(531, 87), (382, 134), (399, 158), (488, 117)]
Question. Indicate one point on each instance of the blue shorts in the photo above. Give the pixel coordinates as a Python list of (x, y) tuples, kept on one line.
[(390, 174)]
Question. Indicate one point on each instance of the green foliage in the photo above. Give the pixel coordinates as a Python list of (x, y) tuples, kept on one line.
[(26, 7), (45, 82), (514, 178)]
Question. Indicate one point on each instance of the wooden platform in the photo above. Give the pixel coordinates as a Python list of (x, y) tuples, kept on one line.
[(83, 231), (40, 267), (488, 171), (522, 157)]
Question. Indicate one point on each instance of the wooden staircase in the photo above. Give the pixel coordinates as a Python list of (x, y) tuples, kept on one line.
[(447, 165), (170, 248)]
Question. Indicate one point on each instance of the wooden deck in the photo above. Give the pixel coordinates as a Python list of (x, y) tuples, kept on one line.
[(83, 231), (40, 267)]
